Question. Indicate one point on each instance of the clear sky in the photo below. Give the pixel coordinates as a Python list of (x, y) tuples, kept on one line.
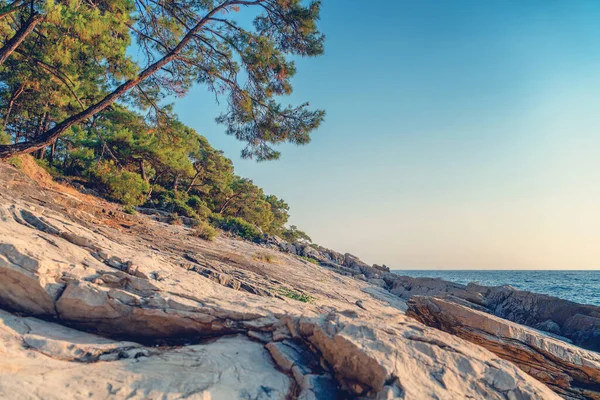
[(459, 134)]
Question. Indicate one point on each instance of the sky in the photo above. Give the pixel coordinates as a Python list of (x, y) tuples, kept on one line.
[(459, 134)]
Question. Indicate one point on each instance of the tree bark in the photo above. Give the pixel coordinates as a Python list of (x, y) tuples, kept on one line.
[(50, 135), (11, 45), (15, 95), (192, 183), (52, 152), (226, 204), (143, 170)]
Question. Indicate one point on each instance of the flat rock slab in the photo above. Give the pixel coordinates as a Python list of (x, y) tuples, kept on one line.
[(231, 367), (569, 370)]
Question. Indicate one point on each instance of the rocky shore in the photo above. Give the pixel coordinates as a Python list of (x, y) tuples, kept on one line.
[(97, 303)]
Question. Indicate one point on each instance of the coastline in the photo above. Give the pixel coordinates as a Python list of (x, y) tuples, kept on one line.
[(90, 291)]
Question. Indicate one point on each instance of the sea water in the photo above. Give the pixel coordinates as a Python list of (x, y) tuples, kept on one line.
[(578, 286)]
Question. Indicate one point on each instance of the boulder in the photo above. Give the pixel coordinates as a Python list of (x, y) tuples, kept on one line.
[(579, 323), (377, 282), (58, 363), (568, 370), (352, 261), (382, 268), (406, 287)]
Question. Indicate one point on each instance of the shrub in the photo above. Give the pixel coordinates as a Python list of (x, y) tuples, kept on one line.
[(174, 219), (310, 259), (4, 138), (204, 231), (293, 234), (176, 202), (129, 210), (238, 227), (289, 293), (199, 206), (123, 186), (15, 162), (266, 257)]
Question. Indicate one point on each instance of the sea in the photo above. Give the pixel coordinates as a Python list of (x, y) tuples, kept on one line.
[(578, 286)]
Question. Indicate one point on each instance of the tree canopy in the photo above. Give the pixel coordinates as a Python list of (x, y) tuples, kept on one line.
[(64, 61), (86, 86)]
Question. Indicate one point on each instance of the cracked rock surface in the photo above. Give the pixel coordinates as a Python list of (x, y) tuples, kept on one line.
[(101, 304), (569, 370)]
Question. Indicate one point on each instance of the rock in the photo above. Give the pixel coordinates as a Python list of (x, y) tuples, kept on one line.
[(549, 326), (352, 261), (377, 282), (383, 268), (578, 323), (211, 335), (60, 364), (288, 248), (414, 362), (569, 370), (406, 287)]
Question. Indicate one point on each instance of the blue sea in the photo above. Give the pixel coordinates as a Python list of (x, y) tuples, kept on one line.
[(578, 286)]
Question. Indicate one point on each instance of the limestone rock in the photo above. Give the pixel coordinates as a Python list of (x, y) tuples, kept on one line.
[(569, 370), (348, 338), (377, 282), (51, 367)]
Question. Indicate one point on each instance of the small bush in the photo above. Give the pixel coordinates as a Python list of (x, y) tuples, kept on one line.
[(174, 219), (238, 227), (204, 231), (129, 210), (310, 259), (5, 138), (266, 257), (176, 202), (123, 186), (199, 206), (289, 293), (15, 162)]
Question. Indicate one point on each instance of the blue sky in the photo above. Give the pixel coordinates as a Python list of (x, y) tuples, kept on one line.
[(459, 134)]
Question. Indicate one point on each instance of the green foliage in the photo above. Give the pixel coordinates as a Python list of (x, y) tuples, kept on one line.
[(303, 297), (237, 226), (174, 219), (204, 231), (4, 138), (309, 259), (293, 234), (129, 210), (123, 186), (74, 63), (15, 162), (132, 147)]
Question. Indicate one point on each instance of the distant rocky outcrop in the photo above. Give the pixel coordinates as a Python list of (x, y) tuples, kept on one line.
[(346, 264), (570, 371), (577, 322)]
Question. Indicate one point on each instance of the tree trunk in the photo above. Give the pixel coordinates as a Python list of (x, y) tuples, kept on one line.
[(52, 152), (15, 95), (224, 206), (14, 42), (192, 182), (143, 170), (50, 135), (176, 183)]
